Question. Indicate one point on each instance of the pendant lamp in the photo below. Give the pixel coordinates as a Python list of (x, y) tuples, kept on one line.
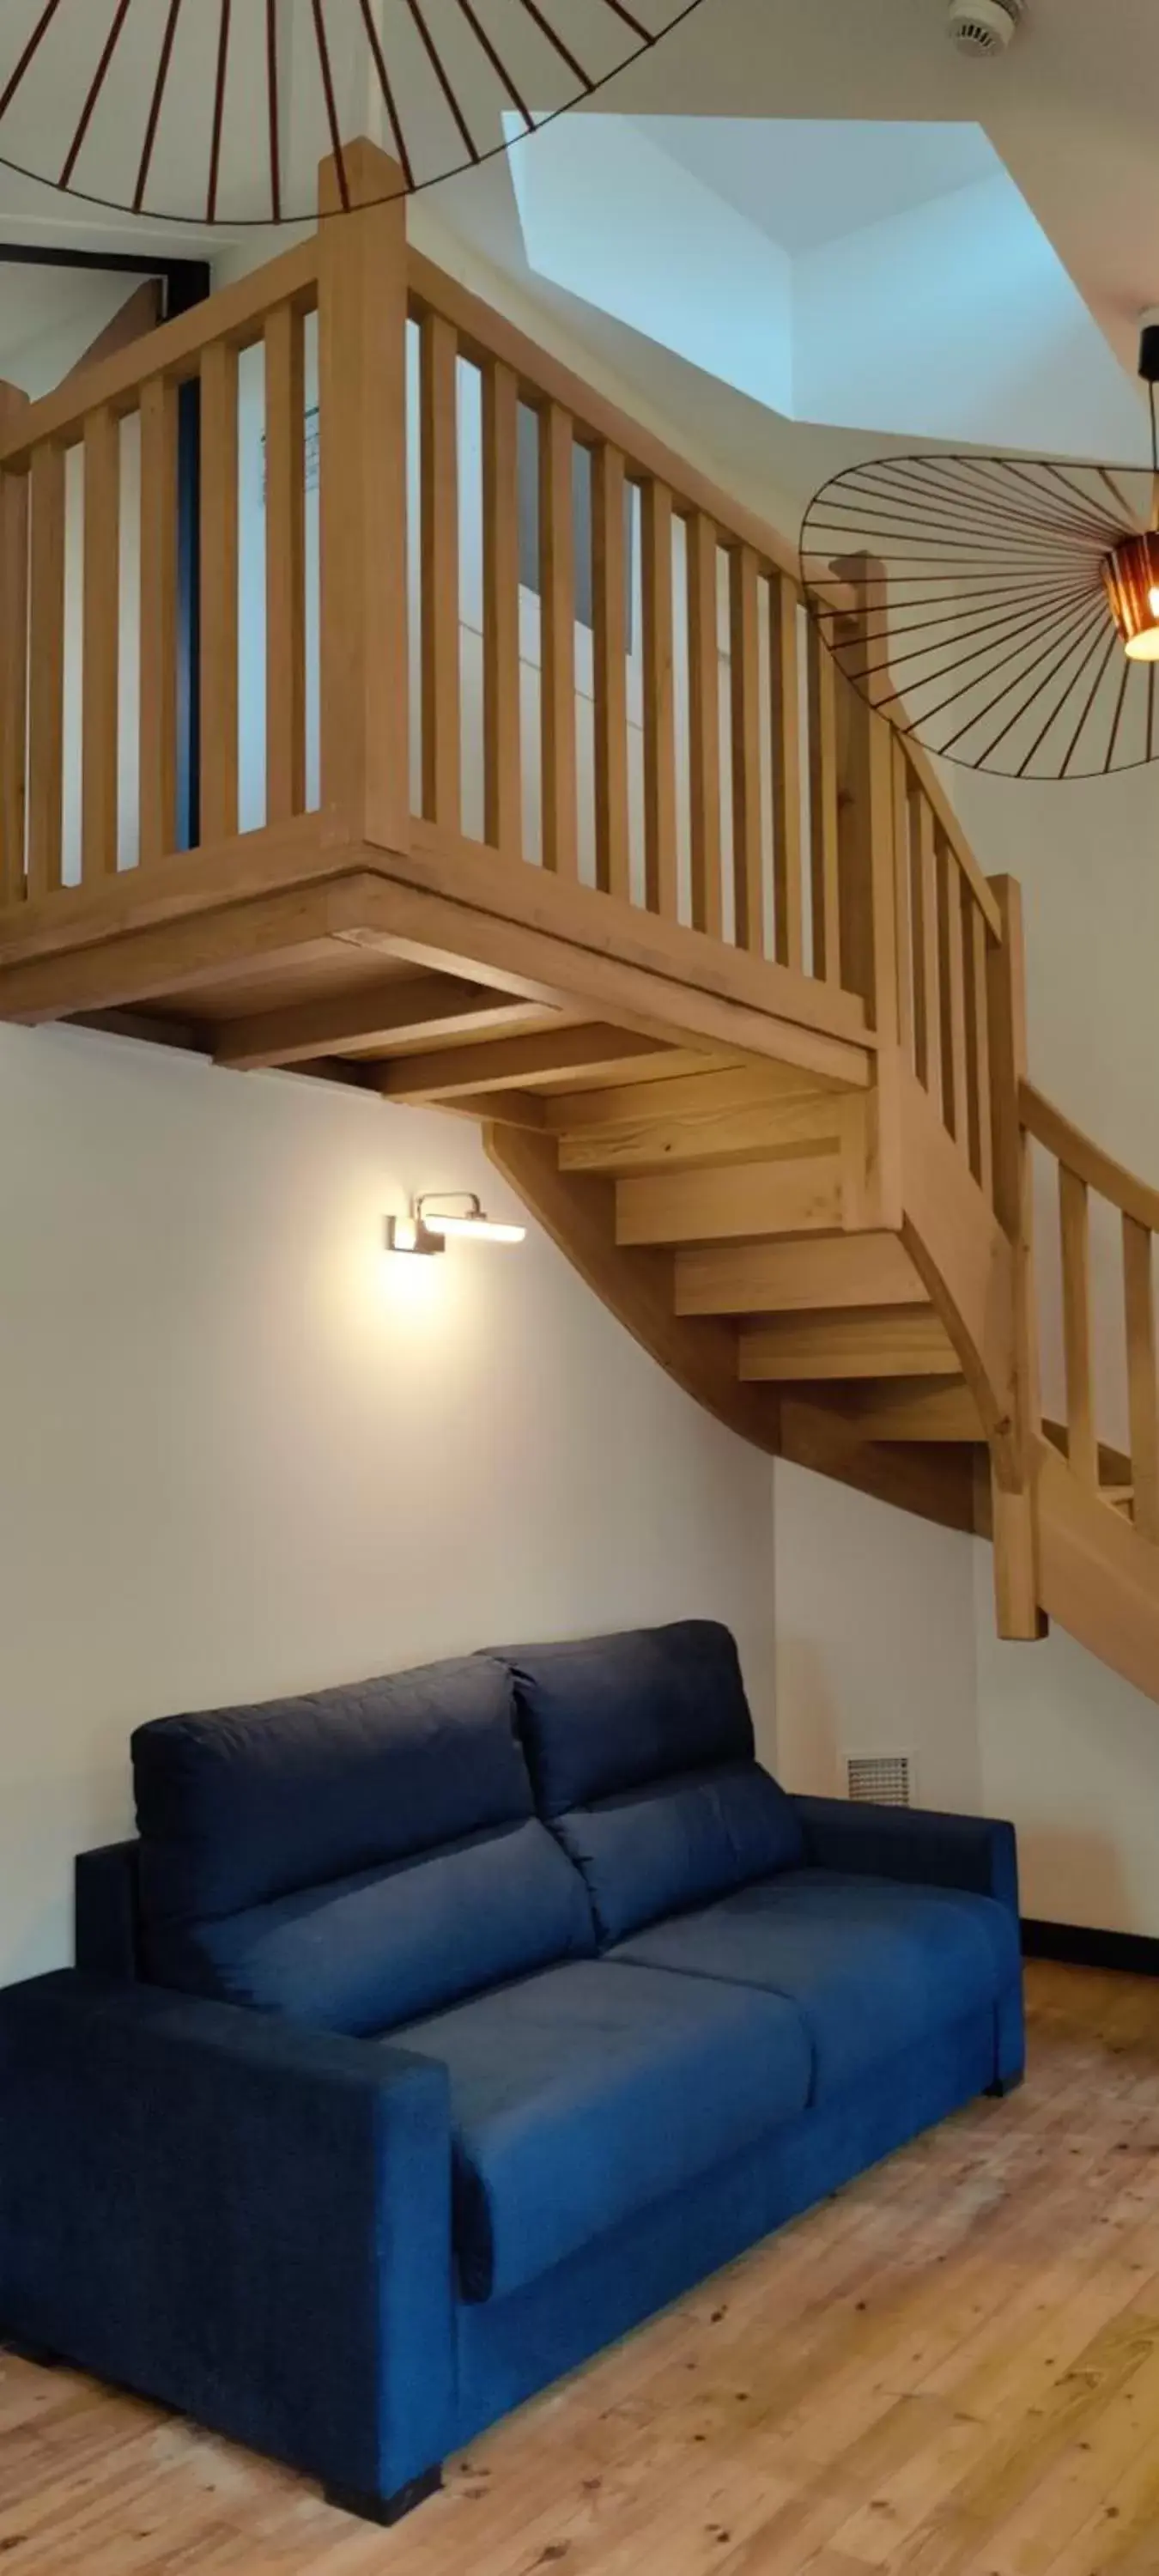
[(220, 111)]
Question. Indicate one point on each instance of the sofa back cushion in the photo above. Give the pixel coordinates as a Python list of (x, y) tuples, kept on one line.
[(352, 1857), (364, 1953), (605, 1714), (642, 1755)]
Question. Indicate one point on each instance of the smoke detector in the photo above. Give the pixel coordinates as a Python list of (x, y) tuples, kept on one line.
[(983, 26)]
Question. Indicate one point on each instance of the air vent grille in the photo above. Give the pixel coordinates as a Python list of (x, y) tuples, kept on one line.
[(880, 1779)]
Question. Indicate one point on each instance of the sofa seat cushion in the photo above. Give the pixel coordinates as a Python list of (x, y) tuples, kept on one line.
[(583, 2094), (873, 1966), (378, 1947)]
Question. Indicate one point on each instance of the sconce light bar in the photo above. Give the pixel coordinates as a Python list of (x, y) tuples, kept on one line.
[(430, 1223)]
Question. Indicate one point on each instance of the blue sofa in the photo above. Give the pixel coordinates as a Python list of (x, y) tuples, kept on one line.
[(436, 2031)]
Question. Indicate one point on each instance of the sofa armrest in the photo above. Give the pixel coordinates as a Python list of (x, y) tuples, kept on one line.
[(913, 1843), (243, 2219)]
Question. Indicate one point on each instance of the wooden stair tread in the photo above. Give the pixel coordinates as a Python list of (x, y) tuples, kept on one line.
[(870, 1342)]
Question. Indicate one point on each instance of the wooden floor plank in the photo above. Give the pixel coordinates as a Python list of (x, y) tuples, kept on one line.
[(950, 2369)]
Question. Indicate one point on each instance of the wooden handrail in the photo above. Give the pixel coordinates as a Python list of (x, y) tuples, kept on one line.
[(235, 316), (542, 380), (923, 771), (1087, 1161)]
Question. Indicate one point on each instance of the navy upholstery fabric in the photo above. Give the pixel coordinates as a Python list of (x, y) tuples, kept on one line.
[(874, 1966), (248, 2222), (245, 1804), (107, 1911), (662, 1848), (974, 1852), (608, 1713), (584, 2094), (509, 2348), (641, 1752), (366, 1952), (265, 2226)]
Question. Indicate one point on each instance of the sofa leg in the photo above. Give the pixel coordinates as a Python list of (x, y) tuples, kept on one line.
[(386, 2509), (1004, 2084)]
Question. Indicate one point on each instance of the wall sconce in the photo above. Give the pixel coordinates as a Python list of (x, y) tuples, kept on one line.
[(432, 1219)]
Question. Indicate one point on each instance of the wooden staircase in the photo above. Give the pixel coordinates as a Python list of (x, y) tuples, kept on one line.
[(654, 898)]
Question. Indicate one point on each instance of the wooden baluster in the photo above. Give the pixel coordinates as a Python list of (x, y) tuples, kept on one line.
[(502, 758), (557, 646), (158, 703), (704, 726), (659, 702), (442, 735), (748, 856), (46, 671), (951, 958), (785, 712), (362, 370), (824, 813), (219, 602), (903, 900), (927, 996), (1139, 1295), (285, 566), (102, 645), (869, 961), (1074, 1217), (610, 661), (13, 659), (978, 1081), (1015, 1536)]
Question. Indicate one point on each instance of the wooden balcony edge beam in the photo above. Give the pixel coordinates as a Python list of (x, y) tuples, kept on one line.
[(267, 861), (175, 956), (608, 926), (460, 939)]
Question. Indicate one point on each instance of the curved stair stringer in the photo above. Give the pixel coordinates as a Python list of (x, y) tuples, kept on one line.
[(1096, 1575), (967, 1266), (578, 1212)]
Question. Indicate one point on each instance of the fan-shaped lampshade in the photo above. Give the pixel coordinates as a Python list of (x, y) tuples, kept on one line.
[(1007, 608), (219, 111)]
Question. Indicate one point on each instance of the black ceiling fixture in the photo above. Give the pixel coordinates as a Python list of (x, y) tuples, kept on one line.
[(1007, 607), (220, 111)]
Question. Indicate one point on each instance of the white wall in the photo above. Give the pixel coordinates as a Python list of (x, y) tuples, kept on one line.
[(875, 1642), (245, 1451)]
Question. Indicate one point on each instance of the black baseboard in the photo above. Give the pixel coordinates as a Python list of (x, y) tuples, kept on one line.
[(1082, 1947)]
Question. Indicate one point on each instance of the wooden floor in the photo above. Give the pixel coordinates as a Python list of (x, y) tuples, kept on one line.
[(953, 2366)]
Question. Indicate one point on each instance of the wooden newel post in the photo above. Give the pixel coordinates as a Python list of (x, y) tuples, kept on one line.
[(1015, 1540), (13, 656), (869, 959), (362, 310)]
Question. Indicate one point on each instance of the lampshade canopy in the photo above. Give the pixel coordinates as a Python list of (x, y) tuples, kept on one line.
[(1002, 611), (220, 111)]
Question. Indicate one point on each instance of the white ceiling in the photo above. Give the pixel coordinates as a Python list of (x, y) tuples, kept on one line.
[(1071, 108), (788, 181)]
